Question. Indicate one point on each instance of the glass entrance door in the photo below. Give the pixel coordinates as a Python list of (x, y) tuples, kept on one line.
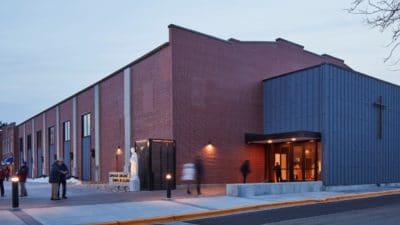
[(298, 161), (281, 160)]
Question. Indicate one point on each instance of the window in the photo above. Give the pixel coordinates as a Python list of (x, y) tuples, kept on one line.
[(51, 136), (86, 125), (67, 130), (29, 144), (39, 139)]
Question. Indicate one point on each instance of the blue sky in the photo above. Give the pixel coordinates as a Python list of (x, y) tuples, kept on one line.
[(50, 49)]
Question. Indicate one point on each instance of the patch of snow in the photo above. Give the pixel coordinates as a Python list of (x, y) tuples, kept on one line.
[(70, 180), (38, 180), (73, 180)]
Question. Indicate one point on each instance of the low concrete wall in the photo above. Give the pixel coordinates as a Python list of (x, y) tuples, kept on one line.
[(254, 189)]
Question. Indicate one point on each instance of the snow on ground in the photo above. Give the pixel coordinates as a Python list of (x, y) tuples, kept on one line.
[(70, 180)]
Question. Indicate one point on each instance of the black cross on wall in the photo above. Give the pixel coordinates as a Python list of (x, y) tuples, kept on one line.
[(379, 104)]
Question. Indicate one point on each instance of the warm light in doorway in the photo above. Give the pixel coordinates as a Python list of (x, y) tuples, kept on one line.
[(119, 151), (269, 141), (293, 139), (307, 151)]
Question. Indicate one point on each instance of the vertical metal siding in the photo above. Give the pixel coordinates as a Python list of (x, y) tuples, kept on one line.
[(354, 153), (339, 103), (292, 103)]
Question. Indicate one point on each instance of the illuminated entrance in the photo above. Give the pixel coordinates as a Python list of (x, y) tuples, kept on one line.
[(293, 156)]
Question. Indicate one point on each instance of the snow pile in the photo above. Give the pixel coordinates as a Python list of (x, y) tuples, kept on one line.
[(70, 180), (38, 180), (73, 180)]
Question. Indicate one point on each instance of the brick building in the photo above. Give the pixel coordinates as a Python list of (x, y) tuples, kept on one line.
[(195, 95), (8, 144)]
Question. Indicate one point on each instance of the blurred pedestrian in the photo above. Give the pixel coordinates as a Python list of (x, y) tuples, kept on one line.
[(188, 173), (63, 179), (199, 173), (22, 175), (54, 179), (245, 169), (2, 176)]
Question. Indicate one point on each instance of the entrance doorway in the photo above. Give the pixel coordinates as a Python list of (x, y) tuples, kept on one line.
[(156, 159), (299, 161)]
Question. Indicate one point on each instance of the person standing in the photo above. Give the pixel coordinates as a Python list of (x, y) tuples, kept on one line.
[(2, 176), (7, 172), (63, 179), (199, 173), (278, 172), (245, 169), (22, 175), (54, 179), (188, 172)]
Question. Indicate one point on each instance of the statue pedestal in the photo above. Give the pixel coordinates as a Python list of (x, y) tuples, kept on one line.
[(134, 184)]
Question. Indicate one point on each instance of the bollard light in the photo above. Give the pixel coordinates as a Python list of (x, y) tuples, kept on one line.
[(168, 177), (14, 191)]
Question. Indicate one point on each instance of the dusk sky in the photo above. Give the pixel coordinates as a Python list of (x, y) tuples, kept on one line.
[(51, 49)]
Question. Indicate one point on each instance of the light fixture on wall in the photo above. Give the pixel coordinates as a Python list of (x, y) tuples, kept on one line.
[(117, 154)]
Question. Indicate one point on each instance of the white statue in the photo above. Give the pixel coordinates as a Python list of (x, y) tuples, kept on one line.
[(134, 182), (134, 163)]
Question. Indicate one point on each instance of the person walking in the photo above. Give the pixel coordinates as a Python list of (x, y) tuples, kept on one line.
[(199, 173), (54, 180), (2, 176), (63, 179), (188, 173), (245, 169), (22, 175)]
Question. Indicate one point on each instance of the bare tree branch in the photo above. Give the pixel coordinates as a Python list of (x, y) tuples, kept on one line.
[(383, 15)]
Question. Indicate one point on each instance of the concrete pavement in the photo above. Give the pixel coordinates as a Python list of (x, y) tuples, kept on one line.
[(91, 205)]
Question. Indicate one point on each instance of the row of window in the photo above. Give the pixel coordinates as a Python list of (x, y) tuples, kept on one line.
[(66, 132)]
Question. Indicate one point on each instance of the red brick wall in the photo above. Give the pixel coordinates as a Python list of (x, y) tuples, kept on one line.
[(50, 122), (85, 104), (217, 97), (38, 127), (111, 124), (65, 115), (152, 97)]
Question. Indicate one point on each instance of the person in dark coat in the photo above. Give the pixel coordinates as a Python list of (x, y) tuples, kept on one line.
[(63, 179), (54, 179), (2, 176), (245, 169), (22, 175), (7, 172), (198, 164), (278, 172)]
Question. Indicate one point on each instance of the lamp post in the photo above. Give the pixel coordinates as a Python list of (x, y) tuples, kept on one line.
[(117, 154), (168, 177), (14, 191)]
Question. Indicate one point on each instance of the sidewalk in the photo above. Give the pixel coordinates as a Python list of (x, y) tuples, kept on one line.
[(150, 204)]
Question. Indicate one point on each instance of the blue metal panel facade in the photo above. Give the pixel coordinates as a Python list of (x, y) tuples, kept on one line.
[(354, 154), (67, 160), (39, 160), (86, 167), (339, 103), (293, 102), (51, 156)]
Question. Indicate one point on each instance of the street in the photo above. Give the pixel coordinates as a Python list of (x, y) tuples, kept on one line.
[(378, 210)]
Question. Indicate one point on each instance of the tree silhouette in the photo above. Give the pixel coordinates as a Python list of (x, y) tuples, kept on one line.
[(383, 15)]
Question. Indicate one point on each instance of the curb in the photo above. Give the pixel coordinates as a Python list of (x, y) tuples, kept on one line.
[(227, 211)]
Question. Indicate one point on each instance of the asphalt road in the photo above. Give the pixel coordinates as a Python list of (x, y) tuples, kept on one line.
[(377, 210)]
